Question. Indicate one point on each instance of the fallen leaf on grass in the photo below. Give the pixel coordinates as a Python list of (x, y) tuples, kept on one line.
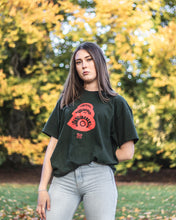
[(137, 210), (123, 209)]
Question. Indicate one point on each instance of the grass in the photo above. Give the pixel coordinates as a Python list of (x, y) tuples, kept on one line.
[(137, 201)]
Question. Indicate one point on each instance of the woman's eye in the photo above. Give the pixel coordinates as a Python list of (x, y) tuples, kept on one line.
[(78, 62), (90, 59)]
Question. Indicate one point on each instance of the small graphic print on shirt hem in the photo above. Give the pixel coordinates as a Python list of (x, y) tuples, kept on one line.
[(79, 136), (83, 118)]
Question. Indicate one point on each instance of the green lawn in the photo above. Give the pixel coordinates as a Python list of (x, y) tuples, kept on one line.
[(135, 202)]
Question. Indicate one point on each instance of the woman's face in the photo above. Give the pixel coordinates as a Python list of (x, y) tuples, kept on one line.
[(85, 67)]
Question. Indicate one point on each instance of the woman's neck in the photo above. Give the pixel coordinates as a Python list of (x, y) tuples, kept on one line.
[(91, 87)]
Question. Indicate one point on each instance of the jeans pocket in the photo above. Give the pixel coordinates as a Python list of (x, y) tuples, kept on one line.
[(111, 173)]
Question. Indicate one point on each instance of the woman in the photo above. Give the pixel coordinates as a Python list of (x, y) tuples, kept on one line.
[(87, 125)]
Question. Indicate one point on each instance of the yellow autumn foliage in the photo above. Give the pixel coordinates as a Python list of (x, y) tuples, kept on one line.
[(34, 151), (36, 41)]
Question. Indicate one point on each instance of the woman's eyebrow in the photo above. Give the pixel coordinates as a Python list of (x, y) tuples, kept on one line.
[(84, 57)]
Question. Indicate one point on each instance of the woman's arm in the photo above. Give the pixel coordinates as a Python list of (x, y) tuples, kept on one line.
[(125, 152), (43, 197)]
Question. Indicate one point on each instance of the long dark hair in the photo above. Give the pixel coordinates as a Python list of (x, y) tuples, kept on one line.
[(74, 85)]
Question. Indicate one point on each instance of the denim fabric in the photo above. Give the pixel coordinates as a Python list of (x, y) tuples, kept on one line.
[(93, 184)]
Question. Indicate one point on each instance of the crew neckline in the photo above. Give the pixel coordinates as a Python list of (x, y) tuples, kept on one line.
[(88, 91)]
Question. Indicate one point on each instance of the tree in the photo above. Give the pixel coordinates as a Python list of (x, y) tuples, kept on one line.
[(137, 37), (30, 80), (37, 39)]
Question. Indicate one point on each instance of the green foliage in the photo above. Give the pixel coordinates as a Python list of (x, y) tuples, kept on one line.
[(3, 154), (37, 39)]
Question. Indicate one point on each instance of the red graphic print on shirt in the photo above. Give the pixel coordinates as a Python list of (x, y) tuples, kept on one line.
[(83, 118), (79, 136)]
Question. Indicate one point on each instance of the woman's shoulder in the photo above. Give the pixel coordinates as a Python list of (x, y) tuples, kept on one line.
[(118, 99), (121, 106)]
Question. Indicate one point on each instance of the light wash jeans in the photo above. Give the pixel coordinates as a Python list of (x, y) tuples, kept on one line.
[(93, 184)]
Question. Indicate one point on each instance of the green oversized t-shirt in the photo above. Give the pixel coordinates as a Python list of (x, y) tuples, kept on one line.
[(89, 130)]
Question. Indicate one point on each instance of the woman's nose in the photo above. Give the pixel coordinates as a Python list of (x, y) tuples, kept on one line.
[(84, 64)]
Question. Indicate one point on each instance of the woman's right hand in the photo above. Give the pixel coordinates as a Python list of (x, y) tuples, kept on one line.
[(43, 203), (43, 196)]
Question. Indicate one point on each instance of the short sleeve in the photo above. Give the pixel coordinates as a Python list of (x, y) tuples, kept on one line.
[(124, 128), (51, 127)]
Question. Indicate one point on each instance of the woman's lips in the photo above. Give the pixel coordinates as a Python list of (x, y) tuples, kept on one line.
[(85, 72)]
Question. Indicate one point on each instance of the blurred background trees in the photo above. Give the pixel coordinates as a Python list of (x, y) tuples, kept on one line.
[(37, 39)]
